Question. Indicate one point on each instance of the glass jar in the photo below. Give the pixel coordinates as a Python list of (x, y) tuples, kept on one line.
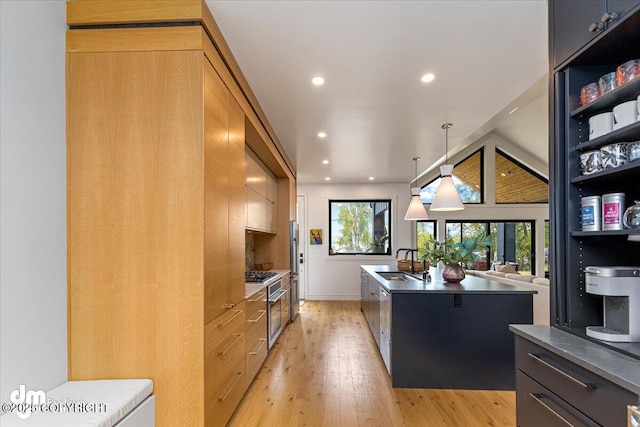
[(631, 218)]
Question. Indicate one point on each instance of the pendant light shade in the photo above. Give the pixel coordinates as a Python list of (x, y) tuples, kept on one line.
[(447, 197), (416, 210)]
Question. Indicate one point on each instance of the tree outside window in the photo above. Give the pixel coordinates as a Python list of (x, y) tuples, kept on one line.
[(360, 227)]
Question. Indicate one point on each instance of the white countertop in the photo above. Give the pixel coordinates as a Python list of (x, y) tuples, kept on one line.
[(252, 288)]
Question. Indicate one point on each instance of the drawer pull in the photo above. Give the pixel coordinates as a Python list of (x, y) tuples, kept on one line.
[(549, 408), (222, 399), (259, 297), (560, 371), (253, 353), (262, 313), (229, 306), (238, 337), (222, 325)]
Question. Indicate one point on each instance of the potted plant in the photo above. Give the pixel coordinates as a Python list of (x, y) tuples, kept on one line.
[(452, 254)]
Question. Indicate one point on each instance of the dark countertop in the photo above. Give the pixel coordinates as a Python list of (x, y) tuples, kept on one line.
[(609, 364), (252, 288), (438, 285)]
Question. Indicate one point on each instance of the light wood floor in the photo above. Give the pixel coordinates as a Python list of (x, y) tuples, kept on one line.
[(325, 370)]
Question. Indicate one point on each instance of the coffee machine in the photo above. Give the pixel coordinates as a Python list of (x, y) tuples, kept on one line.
[(620, 289)]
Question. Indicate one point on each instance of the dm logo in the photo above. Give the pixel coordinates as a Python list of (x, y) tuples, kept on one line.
[(25, 400)]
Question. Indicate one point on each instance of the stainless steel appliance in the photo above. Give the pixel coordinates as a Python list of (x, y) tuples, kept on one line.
[(620, 288), (295, 264), (275, 293)]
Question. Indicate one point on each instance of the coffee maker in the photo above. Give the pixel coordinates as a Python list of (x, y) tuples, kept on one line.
[(620, 289)]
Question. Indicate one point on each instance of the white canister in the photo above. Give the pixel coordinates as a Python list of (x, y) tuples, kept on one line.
[(591, 210), (624, 114), (612, 209), (600, 124)]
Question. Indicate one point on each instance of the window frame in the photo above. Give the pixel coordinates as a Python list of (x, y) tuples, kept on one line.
[(488, 223), (526, 169), (372, 201), (482, 178)]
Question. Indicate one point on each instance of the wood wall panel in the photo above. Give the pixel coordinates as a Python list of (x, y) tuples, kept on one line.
[(216, 213), (236, 201), (135, 224)]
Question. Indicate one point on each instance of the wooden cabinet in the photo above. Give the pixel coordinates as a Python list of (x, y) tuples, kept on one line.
[(156, 213), (572, 22), (554, 391), (257, 334), (261, 196)]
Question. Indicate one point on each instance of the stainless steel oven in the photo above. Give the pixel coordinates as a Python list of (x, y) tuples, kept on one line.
[(274, 310)]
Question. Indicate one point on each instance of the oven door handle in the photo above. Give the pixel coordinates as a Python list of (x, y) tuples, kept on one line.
[(276, 296)]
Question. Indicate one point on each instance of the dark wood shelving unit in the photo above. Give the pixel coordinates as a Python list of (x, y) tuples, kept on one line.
[(625, 232)]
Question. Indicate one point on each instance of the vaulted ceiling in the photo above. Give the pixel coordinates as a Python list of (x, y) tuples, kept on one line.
[(375, 110)]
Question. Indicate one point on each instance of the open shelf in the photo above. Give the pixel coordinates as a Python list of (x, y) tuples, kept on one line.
[(606, 102), (620, 172), (629, 133), (624, 232)]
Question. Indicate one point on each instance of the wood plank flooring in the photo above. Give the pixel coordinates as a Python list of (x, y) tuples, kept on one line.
[(325, 370)]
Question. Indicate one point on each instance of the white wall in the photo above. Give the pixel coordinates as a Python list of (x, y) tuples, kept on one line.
[(33, 309), (338, 277)]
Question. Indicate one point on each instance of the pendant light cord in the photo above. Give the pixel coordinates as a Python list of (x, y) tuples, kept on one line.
[(446, 128)]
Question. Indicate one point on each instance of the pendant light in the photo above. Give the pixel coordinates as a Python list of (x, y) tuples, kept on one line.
[(447, 197), (416, 210)]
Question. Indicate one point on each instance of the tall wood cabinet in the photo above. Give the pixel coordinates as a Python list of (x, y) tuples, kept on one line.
[(156, 206)]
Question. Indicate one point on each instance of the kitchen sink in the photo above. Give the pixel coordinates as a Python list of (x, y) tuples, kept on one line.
[(396, 276)]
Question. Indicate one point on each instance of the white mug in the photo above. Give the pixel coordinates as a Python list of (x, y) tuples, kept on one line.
[(600, 124), (624, 114)]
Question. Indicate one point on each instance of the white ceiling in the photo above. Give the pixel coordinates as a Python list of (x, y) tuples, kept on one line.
[(375, 110)]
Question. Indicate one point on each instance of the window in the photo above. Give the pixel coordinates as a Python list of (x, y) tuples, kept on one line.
[(547, 241), (467, 176), (515, 183), (360, 227), (513, 242), (425, 231)]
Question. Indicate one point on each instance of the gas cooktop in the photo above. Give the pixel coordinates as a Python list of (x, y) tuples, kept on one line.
[(258, 276)]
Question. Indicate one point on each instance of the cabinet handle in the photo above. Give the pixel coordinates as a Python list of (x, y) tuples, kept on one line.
[(549, 408), (596, 26), (253, 353), (222, 325), (262, 313), (222, 399), (560, 371), (229, 306), (260, 295), (238, 337), (609, 17)]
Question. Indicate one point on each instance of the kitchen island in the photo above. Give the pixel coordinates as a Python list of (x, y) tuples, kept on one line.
[(441, 335)]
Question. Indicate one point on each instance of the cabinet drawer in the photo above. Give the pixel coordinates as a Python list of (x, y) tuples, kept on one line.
[(598, 398), (256, 327), (257, 302), (220, 362), (255, 357), (537, 406), (221, 327), (220, 406)]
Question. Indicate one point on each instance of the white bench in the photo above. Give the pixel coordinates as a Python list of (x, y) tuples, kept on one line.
[(96, 403)]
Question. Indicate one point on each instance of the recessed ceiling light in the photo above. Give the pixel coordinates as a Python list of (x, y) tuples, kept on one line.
[(317, 80), (325, 162), (326, 178), (371, 178), (322, 134), (427, 78)]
